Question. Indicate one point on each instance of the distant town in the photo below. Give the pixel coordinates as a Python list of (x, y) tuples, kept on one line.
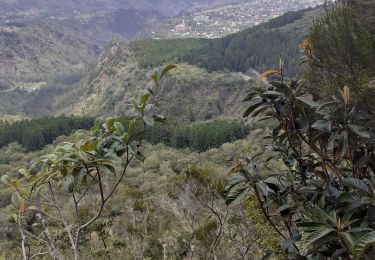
[(224, 20)]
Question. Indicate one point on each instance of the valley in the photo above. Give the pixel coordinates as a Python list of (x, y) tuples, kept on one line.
[(187, 129), (80, 83), (222, 20)]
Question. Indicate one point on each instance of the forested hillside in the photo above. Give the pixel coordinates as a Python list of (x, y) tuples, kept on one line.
[(51, 65), (190, 93), (206, 73), (259, 48), (34, 53), (204, 158)]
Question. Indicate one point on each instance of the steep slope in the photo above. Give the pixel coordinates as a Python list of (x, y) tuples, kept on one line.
[(104, 26), (37, 60), (223, 20), (259, 48), (32, 53), (207, 83), (190, 93)]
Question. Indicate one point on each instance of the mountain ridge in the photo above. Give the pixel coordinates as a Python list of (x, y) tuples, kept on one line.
[(166, 7)]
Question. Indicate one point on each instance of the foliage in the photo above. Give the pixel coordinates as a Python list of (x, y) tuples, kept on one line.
[(364, 11), (322, 205), (34, 134), (159, 186), (340, 52), (77, 172)]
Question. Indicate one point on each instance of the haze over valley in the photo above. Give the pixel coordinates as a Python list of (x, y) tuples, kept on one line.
[(45, 54)]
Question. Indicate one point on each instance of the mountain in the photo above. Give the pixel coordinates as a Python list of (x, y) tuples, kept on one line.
[(68, 7), (103, 26), (220, 21), (209, 81), (210, 71), (32, 50), (259, 47), (31, 53), (35, 57), (190, 93)]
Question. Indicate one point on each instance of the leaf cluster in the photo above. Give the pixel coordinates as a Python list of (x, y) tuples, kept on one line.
[(323, 204)]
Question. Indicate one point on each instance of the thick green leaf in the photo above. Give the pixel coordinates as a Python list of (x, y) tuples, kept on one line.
[(263, 188), (119, 127), (325, 105), (166, 69), (159, 119), (144, 98), (322, 125), (363, 244), (89, 146), (16, 199), (258, 110), (155, 78), (253, 105), (24, 173), (234, 180), (311, 226), (343, 143), (236, 195), (6, 179), (283, 88), (359, 131), (357, 184), (13, 218), (149, 120), (272, 93), (313, 238), (308, 101)]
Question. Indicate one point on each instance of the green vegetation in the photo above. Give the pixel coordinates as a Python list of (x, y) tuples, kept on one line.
[(189, 93), (329, 163), (153, 53), (257, 48), (154, 205), (34, 134), (340, 52), (300, 184), (34, 53), (321, 202), (44, 75), (198, 137), (10, 119), (78, 171)]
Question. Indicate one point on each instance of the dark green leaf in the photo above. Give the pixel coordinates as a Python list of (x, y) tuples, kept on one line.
[(343, 143)]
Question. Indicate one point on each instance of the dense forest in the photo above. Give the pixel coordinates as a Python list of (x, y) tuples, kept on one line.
[(35, 134), (295, 181), (198, 137)]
